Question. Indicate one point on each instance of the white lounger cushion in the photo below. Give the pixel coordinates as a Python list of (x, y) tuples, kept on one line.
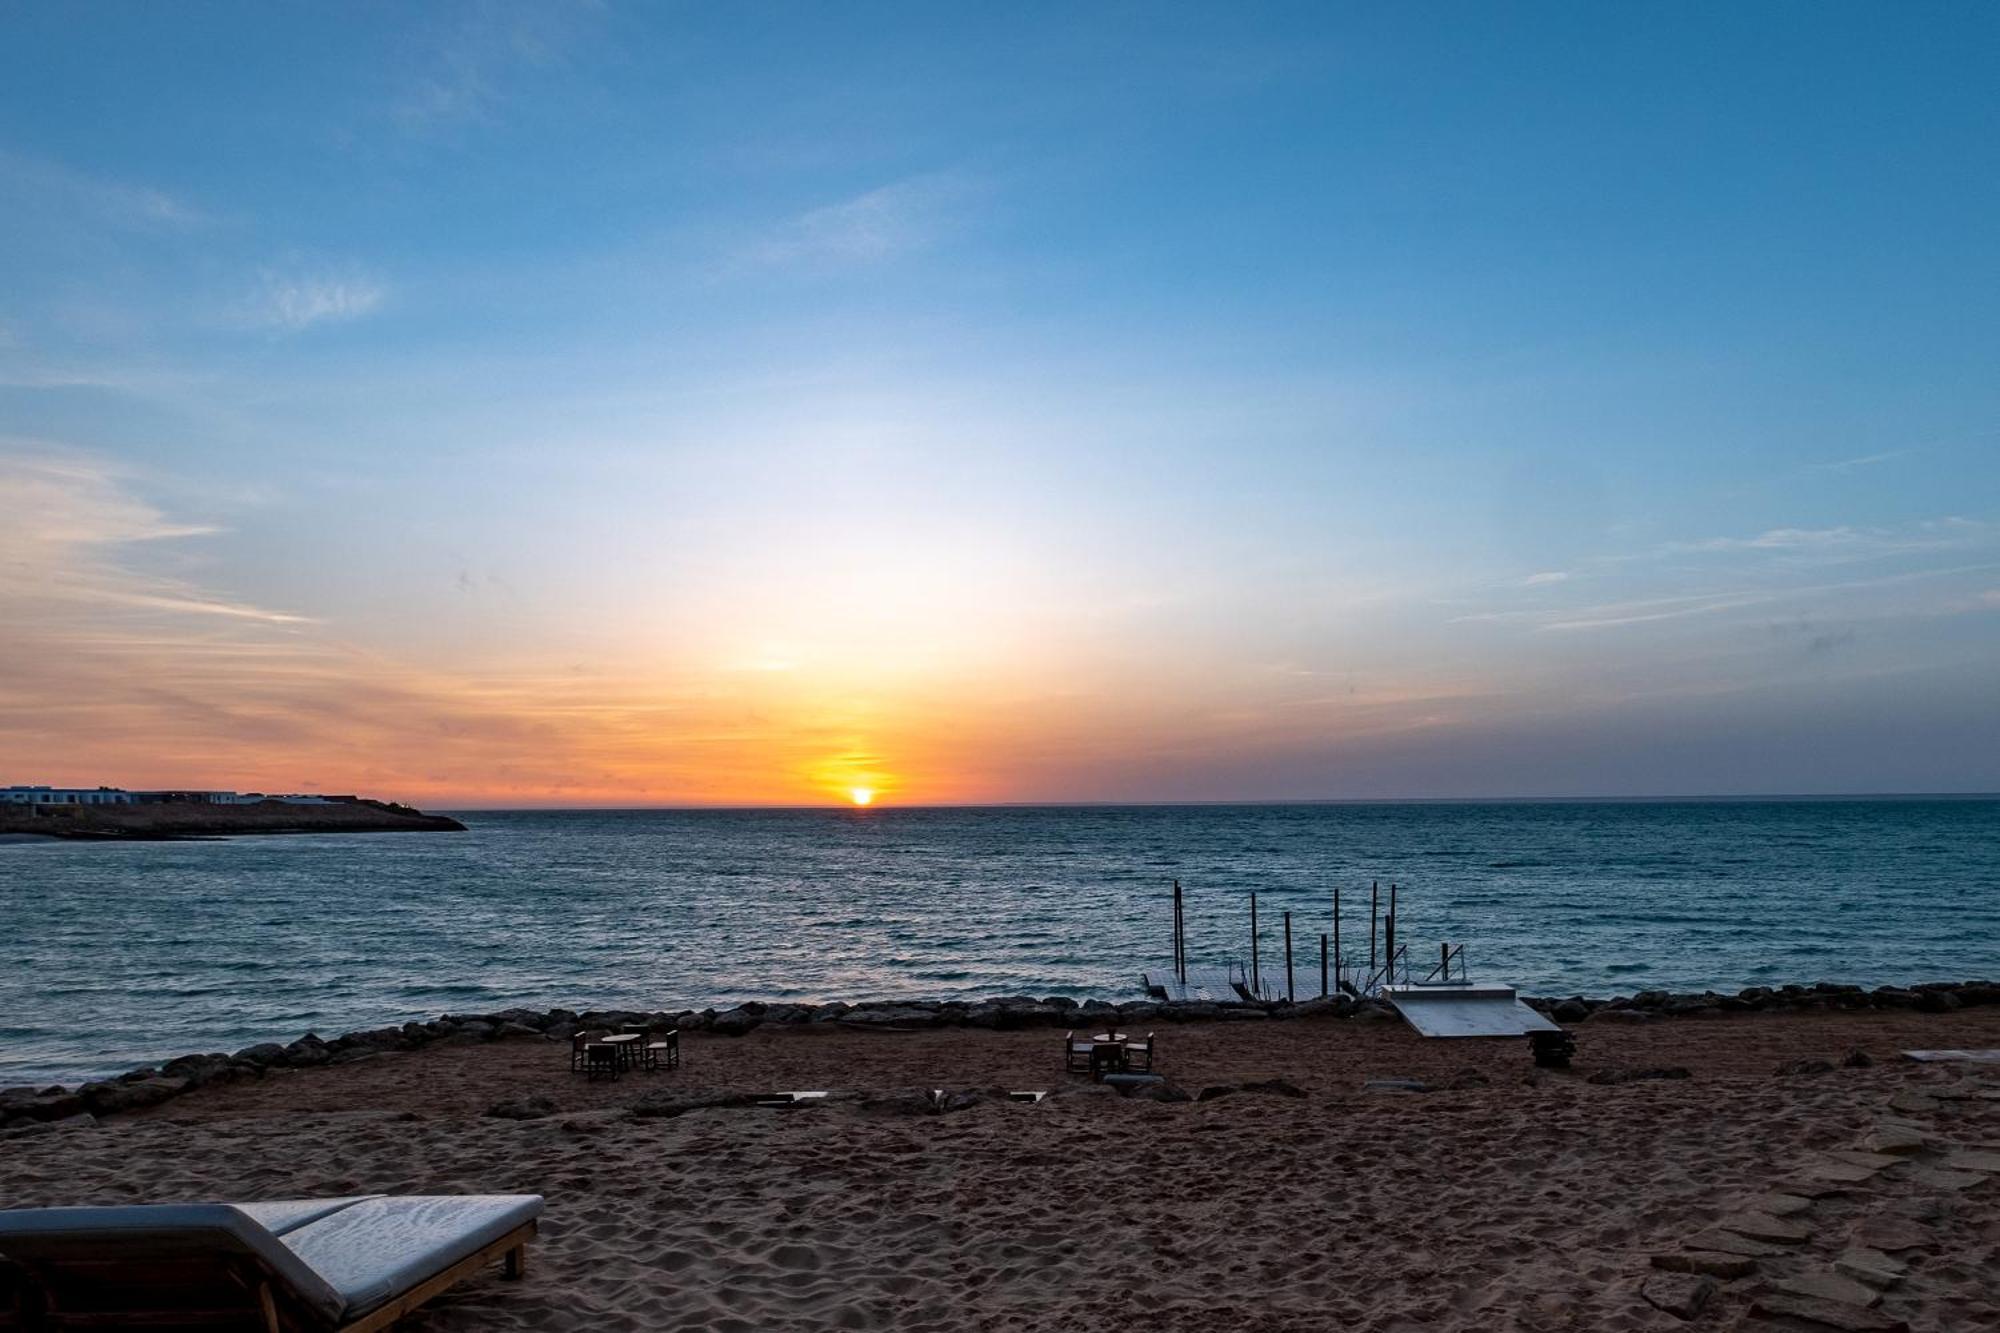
[(279, 1216), (341, 1258), (162, 1231), (377, 1249)]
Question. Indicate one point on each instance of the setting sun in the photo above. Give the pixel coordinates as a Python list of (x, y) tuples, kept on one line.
[(861, 795)]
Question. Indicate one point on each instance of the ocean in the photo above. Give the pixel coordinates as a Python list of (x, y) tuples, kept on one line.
[(117, 955)]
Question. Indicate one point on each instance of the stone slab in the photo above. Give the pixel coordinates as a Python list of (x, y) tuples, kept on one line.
[(1932, 1177), (1682, 1295), (1893, 1234), (1779, 1205), (1826, 1314), (1972, 1161), (1871, 1266), (1709, 1262), (1893, 1139), (1763, 1226), (1728, 1242), (1826, 1285)]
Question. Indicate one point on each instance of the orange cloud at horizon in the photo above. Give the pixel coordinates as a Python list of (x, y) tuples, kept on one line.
[(113, 673)]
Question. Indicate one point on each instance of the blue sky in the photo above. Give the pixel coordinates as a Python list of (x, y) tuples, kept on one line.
[(542, 403)]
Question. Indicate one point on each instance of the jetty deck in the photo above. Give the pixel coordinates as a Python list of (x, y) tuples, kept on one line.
[(1212, 985)]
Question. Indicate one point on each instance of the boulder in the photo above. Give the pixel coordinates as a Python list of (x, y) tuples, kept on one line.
[(958, 1099), (735, 1022), (1800, 1067), (667, 1105), (1571, 1011), (306, 1055), (908, 1102), (21, 1129), (1614, 1076), (1857, 1059), (113, 1098), (30, 1104), (887, 1016)]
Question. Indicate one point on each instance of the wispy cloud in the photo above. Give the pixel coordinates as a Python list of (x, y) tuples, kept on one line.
[(32, 183), (1546, 578), (1866, 460), (867, 228), (1929, 535), (461, 75), (293, 299)]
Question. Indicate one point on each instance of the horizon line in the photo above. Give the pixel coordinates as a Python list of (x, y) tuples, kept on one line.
[(1664, 798)]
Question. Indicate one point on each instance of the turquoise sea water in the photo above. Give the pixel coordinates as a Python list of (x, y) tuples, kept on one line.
[(118, 955)]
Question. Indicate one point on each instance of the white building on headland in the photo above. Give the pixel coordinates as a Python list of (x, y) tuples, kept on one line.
[(232, 798), (18, 795)]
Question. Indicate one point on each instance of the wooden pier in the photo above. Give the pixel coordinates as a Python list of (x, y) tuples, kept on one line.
[(1213, 985)]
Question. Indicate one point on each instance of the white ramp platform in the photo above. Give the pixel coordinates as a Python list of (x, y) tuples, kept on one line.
[(1943, 1057), (1463, 1009)]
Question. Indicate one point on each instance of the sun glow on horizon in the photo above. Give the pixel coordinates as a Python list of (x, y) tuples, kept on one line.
[(861, 795)]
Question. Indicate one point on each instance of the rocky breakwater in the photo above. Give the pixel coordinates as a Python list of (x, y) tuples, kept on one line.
[(26, 1110)]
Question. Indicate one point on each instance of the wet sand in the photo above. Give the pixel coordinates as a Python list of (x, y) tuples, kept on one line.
[(1504, 1199)]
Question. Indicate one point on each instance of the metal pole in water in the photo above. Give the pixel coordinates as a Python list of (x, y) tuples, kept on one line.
[(1256, 979), (1336, 935), (1389, 937), (1374, 904), (1322, 965), (1180, 936), (1288, 959)]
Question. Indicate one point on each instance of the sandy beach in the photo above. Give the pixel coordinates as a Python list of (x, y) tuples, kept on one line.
[(1501, 1199)]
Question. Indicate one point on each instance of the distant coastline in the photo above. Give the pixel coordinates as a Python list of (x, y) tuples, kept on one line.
[(174, 821)]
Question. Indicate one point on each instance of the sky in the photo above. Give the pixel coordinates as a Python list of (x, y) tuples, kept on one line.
[(629, 404)]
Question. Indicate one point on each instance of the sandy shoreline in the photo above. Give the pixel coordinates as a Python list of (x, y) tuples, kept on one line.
[(1508, 1201)]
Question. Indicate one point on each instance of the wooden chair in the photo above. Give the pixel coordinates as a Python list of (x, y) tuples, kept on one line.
[(1139, 1055), (578, 1042), (662, 1054), (601, 1061), (1076, 1054)]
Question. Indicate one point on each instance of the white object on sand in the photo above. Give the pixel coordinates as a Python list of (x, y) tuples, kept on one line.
[(1972, 1057), (1463, 1009)]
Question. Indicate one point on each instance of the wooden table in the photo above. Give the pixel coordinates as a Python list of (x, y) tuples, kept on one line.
[(625, 1043), (1107, 1054)]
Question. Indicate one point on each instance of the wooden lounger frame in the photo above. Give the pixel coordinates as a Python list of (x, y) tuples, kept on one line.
[(262, 1301)]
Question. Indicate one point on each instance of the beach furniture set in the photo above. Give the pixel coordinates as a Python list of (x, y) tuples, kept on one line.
[(1107, 1053), (607, 1055), (348, 1265)]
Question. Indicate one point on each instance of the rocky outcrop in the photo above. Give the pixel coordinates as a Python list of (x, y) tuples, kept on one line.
[(166, 821)]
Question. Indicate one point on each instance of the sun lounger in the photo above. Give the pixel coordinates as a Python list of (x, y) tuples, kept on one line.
[(296, 1266)]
